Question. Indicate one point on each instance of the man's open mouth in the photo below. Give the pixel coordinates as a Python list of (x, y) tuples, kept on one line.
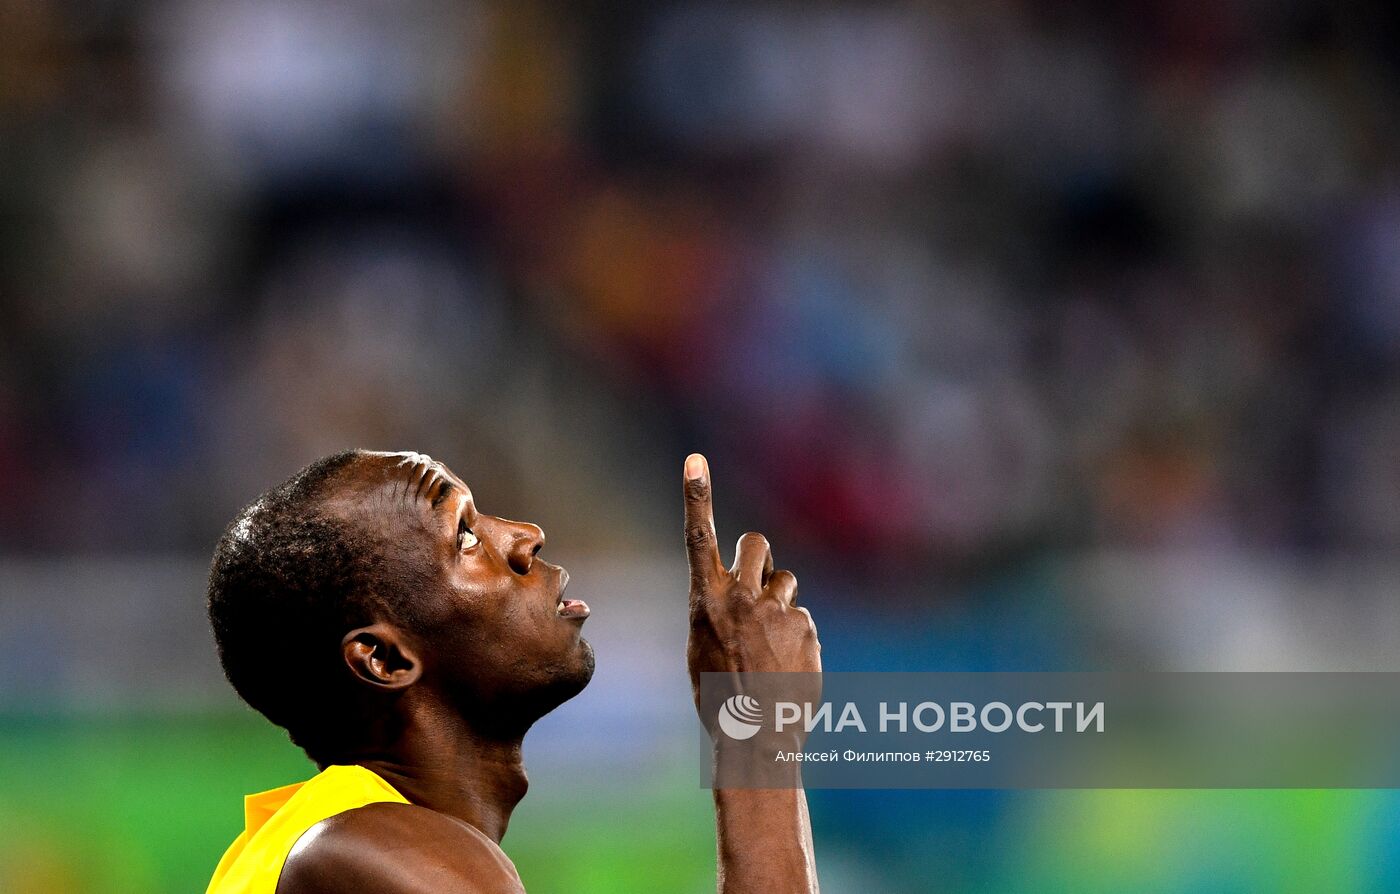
[(573, 609)]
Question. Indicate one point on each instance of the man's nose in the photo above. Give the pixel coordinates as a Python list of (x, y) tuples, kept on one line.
[(525, 541)]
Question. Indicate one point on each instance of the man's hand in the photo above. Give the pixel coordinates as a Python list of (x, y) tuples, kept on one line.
[(745, 618)]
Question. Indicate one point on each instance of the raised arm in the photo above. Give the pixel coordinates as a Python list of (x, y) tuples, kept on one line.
[(745, 619)]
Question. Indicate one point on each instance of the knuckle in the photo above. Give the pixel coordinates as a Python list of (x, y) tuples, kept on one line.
[(698, 536), (696, 491), (754, 538), (782, 589)]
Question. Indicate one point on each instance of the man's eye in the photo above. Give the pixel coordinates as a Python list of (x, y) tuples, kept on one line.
[(465, 538)]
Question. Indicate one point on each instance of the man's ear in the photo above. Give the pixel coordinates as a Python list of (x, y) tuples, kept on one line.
[(378, 655)]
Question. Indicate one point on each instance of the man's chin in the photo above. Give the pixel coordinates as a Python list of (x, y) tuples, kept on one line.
[(581, 671), (568, 677)]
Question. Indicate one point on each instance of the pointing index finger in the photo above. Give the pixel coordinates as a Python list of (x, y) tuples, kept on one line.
[(702, 549)]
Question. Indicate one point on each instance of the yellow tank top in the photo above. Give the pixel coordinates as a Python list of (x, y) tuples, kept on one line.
[(274, 820)]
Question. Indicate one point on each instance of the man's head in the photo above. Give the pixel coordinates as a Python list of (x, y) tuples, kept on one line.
[(371, 580)]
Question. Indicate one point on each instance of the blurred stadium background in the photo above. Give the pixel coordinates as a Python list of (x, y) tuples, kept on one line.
[(1035, 335)]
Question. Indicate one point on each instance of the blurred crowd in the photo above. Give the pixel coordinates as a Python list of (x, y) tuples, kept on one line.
[(954, 286), (936, 283)]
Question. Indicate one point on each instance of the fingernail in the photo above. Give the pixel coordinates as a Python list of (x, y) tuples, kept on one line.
[(694, 467)]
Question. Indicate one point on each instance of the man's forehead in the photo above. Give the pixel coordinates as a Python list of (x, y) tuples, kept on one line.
[(408, 477), (410, 464)]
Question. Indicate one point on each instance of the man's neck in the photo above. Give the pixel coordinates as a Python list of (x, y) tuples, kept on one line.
[(454, 770)]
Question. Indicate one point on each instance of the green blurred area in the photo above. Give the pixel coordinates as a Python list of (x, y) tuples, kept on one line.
[(129, 804), (147, 804)]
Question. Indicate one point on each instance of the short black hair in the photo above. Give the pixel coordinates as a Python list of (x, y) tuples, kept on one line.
[(287, 581)]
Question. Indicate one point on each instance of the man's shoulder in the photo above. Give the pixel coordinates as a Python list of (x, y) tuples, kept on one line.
[(397, 849)]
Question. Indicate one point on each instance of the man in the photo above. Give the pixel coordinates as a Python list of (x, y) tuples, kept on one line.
[(407, 641)]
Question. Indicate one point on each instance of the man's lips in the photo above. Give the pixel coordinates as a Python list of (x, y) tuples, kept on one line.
[(573, 609)]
